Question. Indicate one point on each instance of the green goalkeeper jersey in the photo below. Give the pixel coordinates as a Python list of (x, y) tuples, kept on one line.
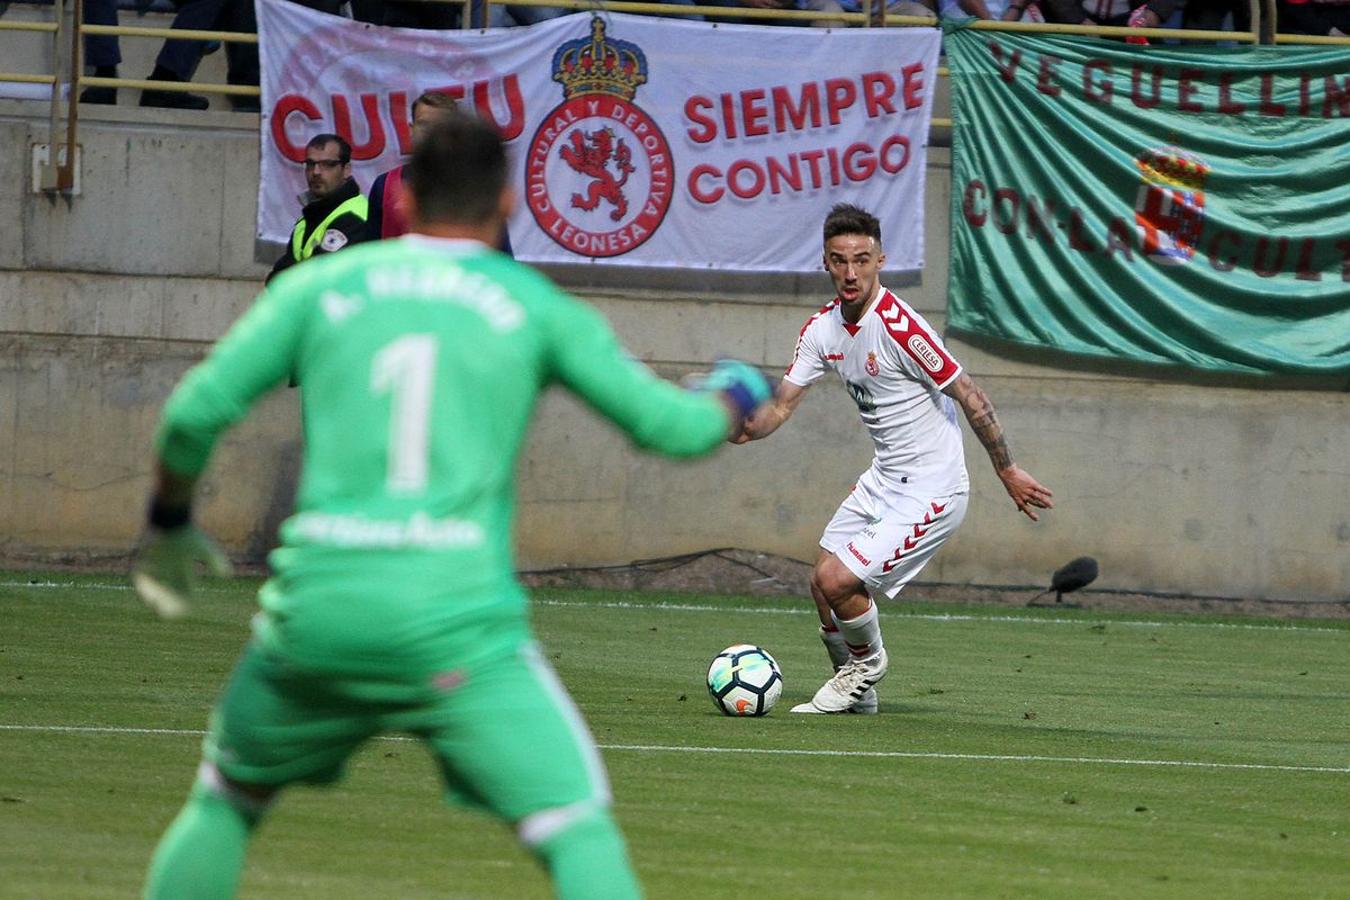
[(419, 362)]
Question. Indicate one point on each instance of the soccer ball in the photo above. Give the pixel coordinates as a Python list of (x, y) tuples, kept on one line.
[(744, 680)]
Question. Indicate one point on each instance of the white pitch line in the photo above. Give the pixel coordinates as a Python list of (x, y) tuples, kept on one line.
[(803, 610), (762, 751), (91, 585), (102, 729), (938, 617), (982, 757)]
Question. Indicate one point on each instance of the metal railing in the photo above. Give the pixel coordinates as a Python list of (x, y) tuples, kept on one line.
[(51, 28), (68, 30), (864, 18), (186, 34)]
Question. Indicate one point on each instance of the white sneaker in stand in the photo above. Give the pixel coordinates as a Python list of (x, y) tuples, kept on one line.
[(849, 686)]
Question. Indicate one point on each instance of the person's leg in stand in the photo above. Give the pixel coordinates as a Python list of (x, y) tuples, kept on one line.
[(241, 59), (178, 59), (102, 54)]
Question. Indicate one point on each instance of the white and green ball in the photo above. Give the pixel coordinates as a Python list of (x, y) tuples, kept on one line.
[(744, 680)]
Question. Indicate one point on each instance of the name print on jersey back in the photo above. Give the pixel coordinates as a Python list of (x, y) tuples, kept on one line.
[(450, 284)]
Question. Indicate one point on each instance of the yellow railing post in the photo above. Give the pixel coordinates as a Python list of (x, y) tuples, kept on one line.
[(1270, 22), (65, 173), (58, 14), (57, 170)]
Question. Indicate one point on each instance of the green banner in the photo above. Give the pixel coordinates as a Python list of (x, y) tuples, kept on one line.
[(1184, 205)]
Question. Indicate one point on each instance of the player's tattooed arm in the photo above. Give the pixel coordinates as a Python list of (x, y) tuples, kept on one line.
[(1028, 493), (772, 415), (979, 410)]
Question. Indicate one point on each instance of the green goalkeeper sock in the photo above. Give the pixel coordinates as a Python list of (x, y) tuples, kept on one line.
[(589, 861), (201, 856)]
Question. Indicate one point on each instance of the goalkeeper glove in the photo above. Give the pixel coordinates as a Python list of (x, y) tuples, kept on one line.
[(164, 573), (743, 384)]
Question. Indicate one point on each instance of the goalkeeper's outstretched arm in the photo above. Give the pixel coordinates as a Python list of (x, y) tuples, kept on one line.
[(172, 548), (772, 415)]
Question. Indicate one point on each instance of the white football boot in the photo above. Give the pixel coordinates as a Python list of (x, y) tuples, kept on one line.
[(849, 687), (838, 652), (867, 704)]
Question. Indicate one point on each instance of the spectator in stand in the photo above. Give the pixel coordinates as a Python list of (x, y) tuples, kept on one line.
[(177, 61), (922, 8), (925, 8), (414, 14), (387, 217), (1122, 13), (369, 11), (421, 14), (1212, 15), (1002, 10), (334, 213), (500, 16), (1322, 17)]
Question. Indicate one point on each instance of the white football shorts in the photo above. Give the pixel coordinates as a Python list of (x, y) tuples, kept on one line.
[(886, 539)]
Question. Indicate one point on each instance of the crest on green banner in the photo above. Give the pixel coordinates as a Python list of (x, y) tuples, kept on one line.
[(1183, 205)]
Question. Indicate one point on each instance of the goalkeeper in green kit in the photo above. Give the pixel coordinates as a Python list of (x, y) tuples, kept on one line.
[(393, 605)]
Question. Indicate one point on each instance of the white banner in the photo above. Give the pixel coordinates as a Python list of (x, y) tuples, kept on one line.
[(634, 140)]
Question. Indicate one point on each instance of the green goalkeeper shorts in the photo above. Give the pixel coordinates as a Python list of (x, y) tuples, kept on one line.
[(506, 734)]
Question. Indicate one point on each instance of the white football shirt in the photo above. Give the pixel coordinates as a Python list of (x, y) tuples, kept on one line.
[(895, 368)]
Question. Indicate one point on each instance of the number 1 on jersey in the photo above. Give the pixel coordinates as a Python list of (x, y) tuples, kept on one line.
[(405, 368)]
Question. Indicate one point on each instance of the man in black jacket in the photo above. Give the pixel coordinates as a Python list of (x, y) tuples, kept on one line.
[(335, 211)]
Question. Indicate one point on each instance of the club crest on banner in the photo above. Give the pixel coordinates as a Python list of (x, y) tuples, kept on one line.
[(1170, 206), (599, 172)]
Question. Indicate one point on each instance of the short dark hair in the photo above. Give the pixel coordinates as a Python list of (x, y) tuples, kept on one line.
[(323, 140), (458, 170), (434, 99), (845, 218)]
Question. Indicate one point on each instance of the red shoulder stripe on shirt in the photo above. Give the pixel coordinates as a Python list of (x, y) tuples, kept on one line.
[(816, 315), (916, 341)]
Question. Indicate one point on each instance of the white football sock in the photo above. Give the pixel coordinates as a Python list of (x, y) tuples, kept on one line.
[(833, 639), (862, 635)]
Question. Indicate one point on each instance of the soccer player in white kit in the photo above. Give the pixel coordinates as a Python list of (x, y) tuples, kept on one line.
[(914, 495)]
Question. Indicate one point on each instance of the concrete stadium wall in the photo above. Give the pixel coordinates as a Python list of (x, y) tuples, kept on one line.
[(1204, 485)]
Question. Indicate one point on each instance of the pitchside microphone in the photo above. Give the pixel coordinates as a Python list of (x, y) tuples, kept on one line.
[(1075, 574)]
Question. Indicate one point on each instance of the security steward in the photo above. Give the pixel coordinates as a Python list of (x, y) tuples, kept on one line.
[(335, 210)]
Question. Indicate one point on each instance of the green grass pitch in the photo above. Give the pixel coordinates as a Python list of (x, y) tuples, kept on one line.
[(1033, 753)]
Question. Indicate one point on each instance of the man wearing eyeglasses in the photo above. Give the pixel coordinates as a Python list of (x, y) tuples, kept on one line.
[(335, 210)]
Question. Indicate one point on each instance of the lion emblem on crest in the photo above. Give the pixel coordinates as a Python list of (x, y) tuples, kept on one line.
[(599, 175), (590, 153)]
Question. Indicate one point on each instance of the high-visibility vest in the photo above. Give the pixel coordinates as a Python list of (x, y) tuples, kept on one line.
[(302, 249)]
